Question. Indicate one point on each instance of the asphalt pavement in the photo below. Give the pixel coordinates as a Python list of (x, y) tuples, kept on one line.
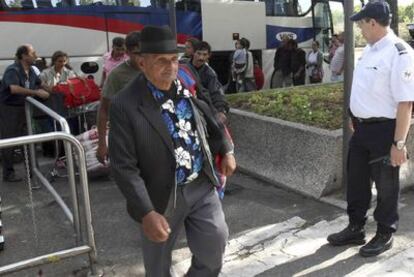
[(273, 232)]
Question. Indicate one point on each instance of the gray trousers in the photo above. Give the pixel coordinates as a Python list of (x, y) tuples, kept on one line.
[(12, 124), (199, 210), (280, 81)]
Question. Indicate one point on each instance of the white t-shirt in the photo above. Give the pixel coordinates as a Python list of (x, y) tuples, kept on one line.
[(383, 77)]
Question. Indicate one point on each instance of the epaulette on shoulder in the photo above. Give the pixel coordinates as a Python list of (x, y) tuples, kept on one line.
[(401, 48)]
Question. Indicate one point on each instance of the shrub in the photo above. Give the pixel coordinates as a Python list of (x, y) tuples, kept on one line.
[(316, 105)]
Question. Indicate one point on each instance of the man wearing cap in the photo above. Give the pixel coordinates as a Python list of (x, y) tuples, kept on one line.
[(381, 104), (161, 145)]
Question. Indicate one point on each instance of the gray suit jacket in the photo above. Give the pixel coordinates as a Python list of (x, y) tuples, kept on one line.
[(141, 149)]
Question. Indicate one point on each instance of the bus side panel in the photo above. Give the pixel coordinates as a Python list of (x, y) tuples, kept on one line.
[(46, 39), (297, 28), (221, 19), (188, 25)]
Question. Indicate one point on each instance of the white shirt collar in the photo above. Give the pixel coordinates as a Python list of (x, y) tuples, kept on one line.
[(383, 41)]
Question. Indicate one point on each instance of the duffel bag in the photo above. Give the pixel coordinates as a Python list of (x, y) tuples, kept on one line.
[(78, 91)]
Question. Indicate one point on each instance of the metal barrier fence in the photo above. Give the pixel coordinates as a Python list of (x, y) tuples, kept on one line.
[(73, 217), (90, 247)]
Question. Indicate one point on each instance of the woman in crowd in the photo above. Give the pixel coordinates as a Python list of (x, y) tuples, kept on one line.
[(59, 70), (314, 62)]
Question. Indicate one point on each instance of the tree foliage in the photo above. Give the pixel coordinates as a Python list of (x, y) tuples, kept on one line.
[(406, 14)]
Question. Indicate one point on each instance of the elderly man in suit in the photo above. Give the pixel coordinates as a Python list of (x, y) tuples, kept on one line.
[(161, 146)]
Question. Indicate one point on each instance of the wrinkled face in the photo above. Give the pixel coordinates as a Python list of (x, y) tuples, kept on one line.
[(31, 56), (200, 57), (118, 52), (189, 49), (60, 63), (160, 69)]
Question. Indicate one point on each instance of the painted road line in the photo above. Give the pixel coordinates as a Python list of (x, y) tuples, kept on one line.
[(248, 243), (286, 247)]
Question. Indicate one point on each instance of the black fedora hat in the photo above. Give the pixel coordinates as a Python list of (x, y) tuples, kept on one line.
[(157, 40)]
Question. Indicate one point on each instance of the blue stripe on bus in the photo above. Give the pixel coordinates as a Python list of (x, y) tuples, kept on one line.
[(188, 23), (302, 34)]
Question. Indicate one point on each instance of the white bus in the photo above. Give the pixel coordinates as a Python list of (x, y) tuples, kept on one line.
[(84, 29)]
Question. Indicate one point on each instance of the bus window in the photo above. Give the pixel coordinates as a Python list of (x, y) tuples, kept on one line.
[(44, 4), (286, 7), (63, 3), (188, 5), (159, 4), (97, 2), (304, 6), (322, 25), (337, 10)]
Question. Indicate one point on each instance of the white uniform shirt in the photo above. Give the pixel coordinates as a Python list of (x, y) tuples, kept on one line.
[(383, 77)]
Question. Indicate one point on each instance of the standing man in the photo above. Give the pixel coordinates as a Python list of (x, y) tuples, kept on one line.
[(113, 58), (19, 81), (298, 63), (161, 145), (208, 79), (282, 64), (381, 104), (118, 78), (190, 45), (338, 59)]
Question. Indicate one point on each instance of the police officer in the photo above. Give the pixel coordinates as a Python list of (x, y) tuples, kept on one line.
[(381, 104)]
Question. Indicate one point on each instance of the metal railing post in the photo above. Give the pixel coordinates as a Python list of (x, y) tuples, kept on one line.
[(73, 217), (89, 249)]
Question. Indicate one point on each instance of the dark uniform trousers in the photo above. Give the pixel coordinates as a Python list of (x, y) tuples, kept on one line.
[(371, 141), (12, 124)]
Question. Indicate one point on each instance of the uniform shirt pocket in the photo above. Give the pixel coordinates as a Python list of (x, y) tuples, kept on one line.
[(377, 77)]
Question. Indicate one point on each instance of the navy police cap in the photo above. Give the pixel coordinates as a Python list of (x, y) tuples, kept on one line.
[(374, 9)]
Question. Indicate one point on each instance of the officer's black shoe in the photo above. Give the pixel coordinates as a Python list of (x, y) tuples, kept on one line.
[(377, 245), (353, 234)]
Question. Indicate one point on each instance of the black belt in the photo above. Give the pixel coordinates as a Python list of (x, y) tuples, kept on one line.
[(370, 119), (373, 120)]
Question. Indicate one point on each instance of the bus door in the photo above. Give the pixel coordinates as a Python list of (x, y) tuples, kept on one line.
[(322, 24)]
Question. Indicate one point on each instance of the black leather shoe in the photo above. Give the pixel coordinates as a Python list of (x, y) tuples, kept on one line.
[(353, 234), (12, 178), (377, 245)]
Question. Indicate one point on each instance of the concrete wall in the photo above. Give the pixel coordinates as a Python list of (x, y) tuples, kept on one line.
[(302, 158)]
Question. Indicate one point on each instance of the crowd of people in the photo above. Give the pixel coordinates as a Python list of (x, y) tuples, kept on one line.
[(292, 65), (168, 144)]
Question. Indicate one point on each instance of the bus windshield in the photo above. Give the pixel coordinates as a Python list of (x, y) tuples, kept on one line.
[(287, 7)]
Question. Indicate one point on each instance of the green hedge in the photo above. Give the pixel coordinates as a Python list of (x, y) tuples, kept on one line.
[(316, 105)]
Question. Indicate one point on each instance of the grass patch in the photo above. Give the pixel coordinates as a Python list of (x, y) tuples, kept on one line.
[(317, 105)]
